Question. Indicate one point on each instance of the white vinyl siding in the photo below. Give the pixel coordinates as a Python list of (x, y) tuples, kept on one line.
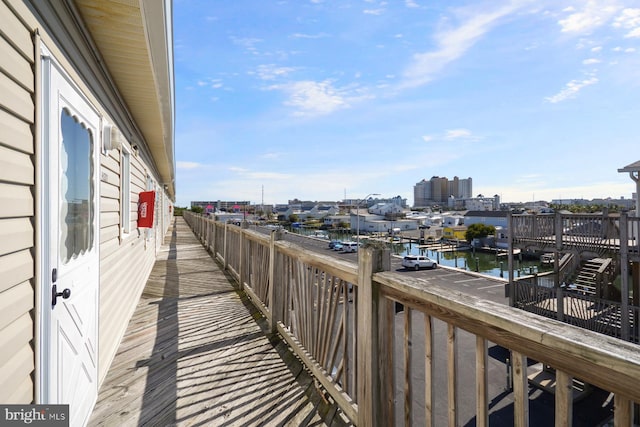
[(125, 183), (17, 178), (125, 264)]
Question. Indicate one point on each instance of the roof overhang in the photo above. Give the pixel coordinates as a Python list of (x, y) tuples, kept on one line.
[(135, 39), (633, 167)]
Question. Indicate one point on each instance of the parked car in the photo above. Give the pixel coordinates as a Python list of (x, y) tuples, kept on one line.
[(350, 246), (418, 261), (337, 246), (333, 243)]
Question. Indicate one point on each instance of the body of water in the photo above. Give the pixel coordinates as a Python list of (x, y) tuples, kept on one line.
[(468, 260), (475, 260)]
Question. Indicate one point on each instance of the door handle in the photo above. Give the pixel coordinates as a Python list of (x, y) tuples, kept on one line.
[(55, 294)]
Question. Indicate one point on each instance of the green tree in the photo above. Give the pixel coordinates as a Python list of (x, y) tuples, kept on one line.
[(478, 231), (293, 218), (197, 209)]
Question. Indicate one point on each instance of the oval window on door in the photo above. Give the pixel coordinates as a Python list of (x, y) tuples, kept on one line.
[(76, 204)]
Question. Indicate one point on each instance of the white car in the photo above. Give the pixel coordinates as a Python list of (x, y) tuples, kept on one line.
[(418, 261), (350, 246)]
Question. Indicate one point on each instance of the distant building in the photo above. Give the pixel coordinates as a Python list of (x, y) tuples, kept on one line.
[(479, 203), (221, 205), (386, 209), (622, 202), (351, 203), (494, 218), (439, 191)]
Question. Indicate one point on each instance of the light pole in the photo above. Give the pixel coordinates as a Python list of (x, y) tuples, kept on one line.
[(358, 217)]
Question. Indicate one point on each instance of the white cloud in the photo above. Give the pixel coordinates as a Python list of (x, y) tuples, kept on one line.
[(309, 36), (212, 83), (259, 175), (594, 14), (629, 20), (376, 12), (453, 43), (627, 50), (269, 175), (411, 3), (271, 71), (633, 33), (188, 165), (571, 89), (596, 49), (247, 43), (237, 169), (457, 134), (591, 61), (451, 134), (313, 98), (271, 155)]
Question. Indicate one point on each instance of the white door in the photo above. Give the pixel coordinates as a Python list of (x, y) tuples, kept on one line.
[(69, 204)]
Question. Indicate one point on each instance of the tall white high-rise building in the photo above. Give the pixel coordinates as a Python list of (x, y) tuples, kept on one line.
[(438, 190)]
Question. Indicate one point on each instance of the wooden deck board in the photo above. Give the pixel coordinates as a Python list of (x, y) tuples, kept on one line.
[(196, 353)]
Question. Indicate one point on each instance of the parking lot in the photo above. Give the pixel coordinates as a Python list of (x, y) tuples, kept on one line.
[(481, 286)]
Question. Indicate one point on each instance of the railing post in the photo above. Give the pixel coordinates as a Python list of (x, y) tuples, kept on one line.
[(452, 375), (624, 277), (564, 399), (276, 299), (559, 293), (482, 383), (242, 260), (622, 411), (207, 225), (214, 241), (520, 390), (224, 246), (373, 404), (512, 285), (210, 238)]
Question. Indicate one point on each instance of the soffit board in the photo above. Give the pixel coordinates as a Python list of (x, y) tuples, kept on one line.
[(126, 33)]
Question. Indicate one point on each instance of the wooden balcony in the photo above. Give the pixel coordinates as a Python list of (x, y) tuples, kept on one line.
[(610, 243), (197, 352), (211, 354)]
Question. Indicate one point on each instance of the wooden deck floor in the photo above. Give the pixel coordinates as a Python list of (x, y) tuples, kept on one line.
[(196, 353)]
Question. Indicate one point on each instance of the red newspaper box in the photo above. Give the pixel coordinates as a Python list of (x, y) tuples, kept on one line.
[(146, 202)]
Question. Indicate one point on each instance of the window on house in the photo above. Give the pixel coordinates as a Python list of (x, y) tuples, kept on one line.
[(77, 209)]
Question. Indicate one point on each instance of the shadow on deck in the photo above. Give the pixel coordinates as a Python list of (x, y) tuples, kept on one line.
[(197, 353)]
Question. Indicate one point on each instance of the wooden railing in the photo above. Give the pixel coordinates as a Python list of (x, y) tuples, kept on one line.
[(586, 311), (596, 232), (586, 236), (341, 320)]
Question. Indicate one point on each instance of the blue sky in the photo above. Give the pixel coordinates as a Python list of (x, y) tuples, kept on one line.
[(318, 99)]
